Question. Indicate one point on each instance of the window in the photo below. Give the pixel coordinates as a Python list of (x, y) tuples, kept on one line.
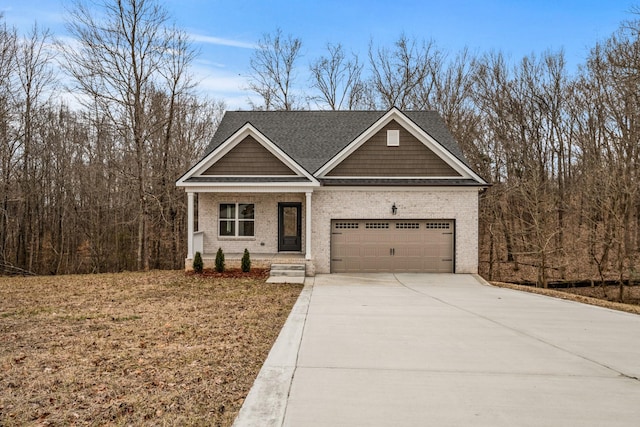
[(343, 225), (376, 225), (407, 225), (437, 225), (236, 219)]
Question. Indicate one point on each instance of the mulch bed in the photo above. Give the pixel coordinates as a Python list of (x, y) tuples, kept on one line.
[(233, 273)]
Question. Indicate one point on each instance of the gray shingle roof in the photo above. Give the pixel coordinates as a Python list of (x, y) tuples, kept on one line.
[(312, 138)]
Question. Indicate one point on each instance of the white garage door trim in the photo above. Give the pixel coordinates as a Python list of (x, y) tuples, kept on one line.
[(393, 245)]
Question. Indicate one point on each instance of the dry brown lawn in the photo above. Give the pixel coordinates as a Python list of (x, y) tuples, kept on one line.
[(158, 348)]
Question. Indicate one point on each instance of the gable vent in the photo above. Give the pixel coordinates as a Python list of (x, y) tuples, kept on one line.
[(393, 138)]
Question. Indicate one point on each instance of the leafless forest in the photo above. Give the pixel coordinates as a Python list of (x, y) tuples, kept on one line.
[(91, 188)]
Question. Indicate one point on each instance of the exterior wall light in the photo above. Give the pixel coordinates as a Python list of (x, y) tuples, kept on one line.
[(394, 209)]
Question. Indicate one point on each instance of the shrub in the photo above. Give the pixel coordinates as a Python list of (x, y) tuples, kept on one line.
[(219, 261), (245, 263), (198, 265)]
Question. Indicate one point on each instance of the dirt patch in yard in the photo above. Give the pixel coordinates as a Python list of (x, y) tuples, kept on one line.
[(158, 348), (597, 295)]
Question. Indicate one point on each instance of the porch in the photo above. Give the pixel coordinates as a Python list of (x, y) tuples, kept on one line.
[(275, 227)]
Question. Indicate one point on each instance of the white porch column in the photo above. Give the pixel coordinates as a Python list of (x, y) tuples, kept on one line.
[(190, 225), (308, 227)]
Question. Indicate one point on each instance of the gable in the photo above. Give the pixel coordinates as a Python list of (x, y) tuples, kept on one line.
[(421, 164), (249, 157), (411, 158)]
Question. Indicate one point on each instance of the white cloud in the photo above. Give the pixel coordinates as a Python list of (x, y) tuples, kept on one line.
[(240, 102), (216, 79), (221, 42), (222, 85), (208, 63)]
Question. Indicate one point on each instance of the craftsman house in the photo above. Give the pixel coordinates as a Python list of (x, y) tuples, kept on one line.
[(340, 191)]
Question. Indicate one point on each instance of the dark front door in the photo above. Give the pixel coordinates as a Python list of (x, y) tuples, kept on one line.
[(289, 226)]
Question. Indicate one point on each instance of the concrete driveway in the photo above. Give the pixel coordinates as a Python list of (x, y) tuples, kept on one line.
[(445, 350)]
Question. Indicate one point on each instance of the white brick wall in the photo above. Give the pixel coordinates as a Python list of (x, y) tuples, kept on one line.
[(456, 203), (459, 203), (265, 227)]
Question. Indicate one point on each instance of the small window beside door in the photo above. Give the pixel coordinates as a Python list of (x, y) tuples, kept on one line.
[(236, 220)]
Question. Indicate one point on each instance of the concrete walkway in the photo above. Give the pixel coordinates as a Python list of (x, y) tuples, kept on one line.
[(445, 350)]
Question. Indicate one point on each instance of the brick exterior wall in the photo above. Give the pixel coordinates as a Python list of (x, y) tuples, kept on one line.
[(458, 203), (265, 227)]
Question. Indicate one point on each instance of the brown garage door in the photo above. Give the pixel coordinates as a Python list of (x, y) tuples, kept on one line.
[(370, 246)]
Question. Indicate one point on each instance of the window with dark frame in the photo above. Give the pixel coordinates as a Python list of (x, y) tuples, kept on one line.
[(236, 220)]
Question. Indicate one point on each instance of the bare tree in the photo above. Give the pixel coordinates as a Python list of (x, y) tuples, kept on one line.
[(398, 74), (608, 134), (524, 109), (36, 76), (273, 71), (9, 143), (124, 51), (72, 181), (338, 79)]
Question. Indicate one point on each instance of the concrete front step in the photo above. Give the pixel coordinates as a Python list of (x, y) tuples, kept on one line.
[(287, 273), (288, 267), (284, 279)]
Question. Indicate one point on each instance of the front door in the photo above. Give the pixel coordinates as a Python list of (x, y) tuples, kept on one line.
[(289, 227)]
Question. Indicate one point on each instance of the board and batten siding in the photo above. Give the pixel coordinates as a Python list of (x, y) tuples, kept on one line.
[(249, 157), (411, 158)]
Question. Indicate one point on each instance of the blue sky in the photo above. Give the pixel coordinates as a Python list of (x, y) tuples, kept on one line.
[(226, 31)]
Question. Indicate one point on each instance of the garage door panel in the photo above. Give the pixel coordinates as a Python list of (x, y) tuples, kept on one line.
[(409, 250), (352, 264), (409, 265), (410, 238), (392, 245)]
